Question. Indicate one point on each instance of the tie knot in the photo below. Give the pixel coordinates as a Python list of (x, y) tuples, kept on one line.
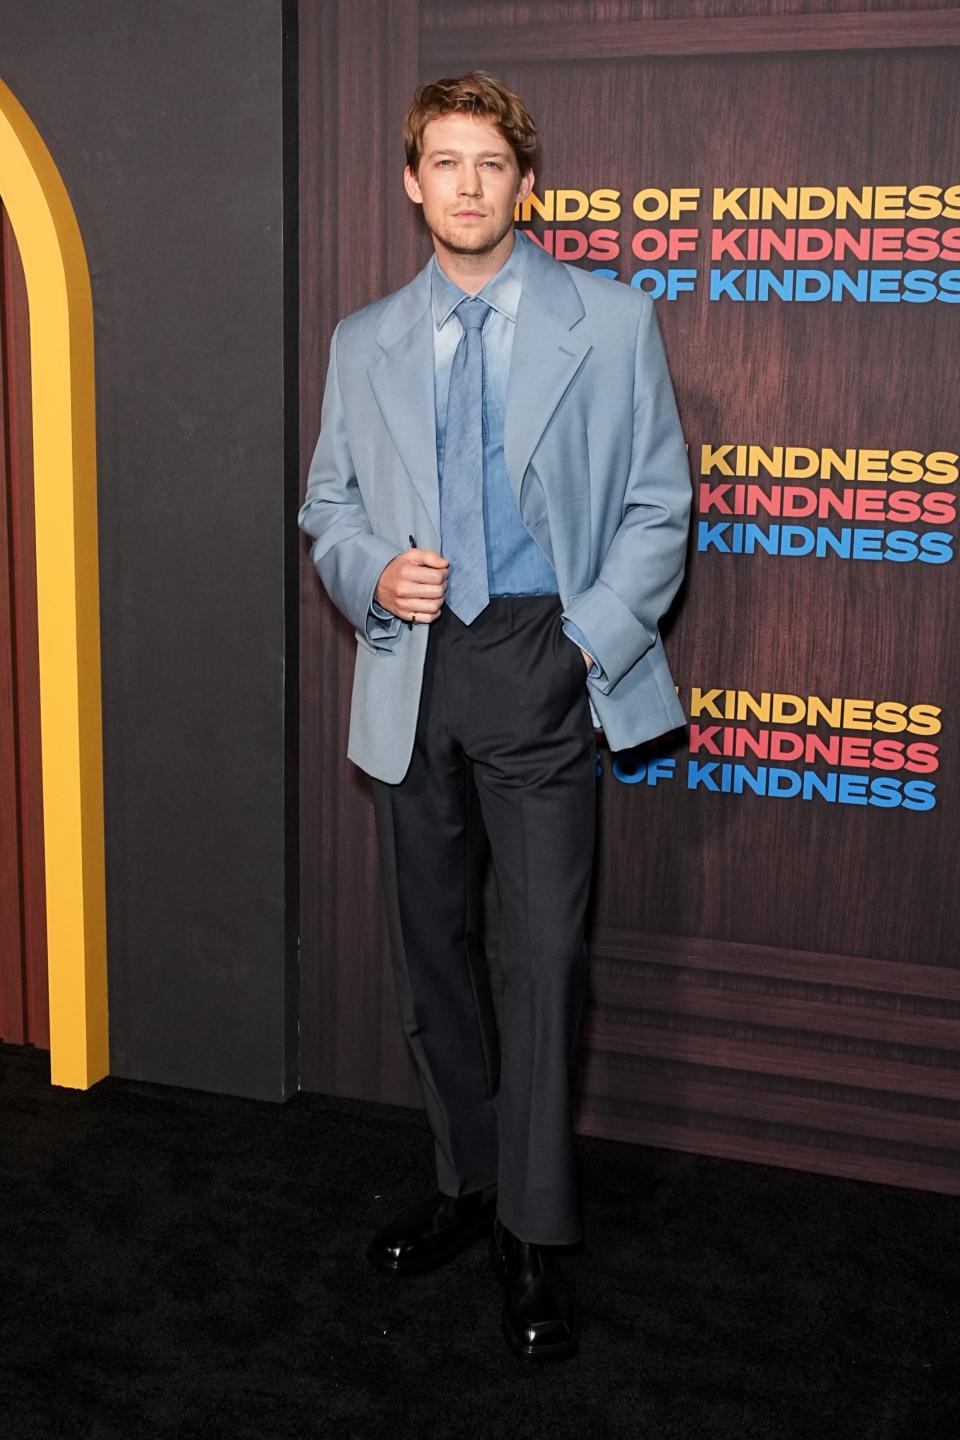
[(472, 313)]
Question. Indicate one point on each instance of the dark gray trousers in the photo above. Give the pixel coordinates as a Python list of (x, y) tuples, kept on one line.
[(503, 763)]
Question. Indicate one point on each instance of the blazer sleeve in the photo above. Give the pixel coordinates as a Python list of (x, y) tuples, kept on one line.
[(348, 556), (643, 567)]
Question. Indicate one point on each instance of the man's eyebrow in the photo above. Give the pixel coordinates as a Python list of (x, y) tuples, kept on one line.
[(481, 155)]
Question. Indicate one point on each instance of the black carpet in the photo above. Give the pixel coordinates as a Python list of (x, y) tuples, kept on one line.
[(180, 1264)]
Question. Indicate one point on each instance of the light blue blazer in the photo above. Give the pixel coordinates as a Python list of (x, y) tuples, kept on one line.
[(597, 462)]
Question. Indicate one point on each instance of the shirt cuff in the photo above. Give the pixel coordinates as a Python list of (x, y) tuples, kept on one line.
[(577, 636), (381, 624)]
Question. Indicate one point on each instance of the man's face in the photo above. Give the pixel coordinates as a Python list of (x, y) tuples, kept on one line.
[(468, 182)]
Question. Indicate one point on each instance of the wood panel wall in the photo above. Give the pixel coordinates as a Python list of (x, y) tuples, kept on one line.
[(23, 950), (772, 981), (358, 66)]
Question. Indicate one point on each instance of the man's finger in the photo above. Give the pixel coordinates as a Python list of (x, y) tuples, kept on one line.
[(421, 587), (415, 585), (429, 557)]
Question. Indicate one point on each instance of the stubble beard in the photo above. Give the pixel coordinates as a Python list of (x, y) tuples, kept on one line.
[(479, 247)]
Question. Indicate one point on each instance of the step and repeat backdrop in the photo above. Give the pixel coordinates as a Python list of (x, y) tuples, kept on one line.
[(807, 291), (776, 962)]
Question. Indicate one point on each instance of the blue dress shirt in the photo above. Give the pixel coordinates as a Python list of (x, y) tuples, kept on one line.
[(515, 563)]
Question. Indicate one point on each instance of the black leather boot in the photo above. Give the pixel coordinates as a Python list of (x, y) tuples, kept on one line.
[(540, 1320), (434, 1234)]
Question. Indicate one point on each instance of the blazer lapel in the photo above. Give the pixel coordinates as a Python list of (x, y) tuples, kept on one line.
[(402, 383), (546, 357)]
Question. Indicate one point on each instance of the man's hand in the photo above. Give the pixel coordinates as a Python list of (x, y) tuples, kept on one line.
[(413, 585)]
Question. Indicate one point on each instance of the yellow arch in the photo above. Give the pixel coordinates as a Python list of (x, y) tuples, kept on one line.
[(68, 605)]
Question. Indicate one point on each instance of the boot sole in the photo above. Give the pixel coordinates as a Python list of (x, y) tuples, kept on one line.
[(532, 1354), (421, 1266), (562, 1350)]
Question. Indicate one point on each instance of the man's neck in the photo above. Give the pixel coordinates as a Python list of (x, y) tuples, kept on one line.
[(471, 272)]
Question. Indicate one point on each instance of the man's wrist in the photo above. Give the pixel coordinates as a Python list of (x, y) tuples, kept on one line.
[(593, 670)]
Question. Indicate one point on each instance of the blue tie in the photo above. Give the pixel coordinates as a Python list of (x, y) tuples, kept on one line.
[(462, 539)]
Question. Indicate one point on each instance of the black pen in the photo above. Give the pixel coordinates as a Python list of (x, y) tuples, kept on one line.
[(413, 546)]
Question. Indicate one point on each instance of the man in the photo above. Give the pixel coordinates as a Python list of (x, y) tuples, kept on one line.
[(499, 499)]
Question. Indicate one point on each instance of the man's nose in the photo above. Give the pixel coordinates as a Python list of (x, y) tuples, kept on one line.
[(470, 183)]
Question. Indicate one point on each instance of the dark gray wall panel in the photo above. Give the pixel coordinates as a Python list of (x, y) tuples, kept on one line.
[(167, 123)]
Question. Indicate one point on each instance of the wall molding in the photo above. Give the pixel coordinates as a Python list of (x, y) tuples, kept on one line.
[(730, 35)]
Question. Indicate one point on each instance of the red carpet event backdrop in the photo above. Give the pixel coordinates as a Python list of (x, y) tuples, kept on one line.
[(773, 931), (774, 927), (800, 230)]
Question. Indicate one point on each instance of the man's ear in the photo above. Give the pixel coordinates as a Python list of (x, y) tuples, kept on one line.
[(412, 186), (526, 185)]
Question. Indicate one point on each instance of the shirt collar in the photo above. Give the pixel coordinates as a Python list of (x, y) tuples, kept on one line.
[(501, 292)]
